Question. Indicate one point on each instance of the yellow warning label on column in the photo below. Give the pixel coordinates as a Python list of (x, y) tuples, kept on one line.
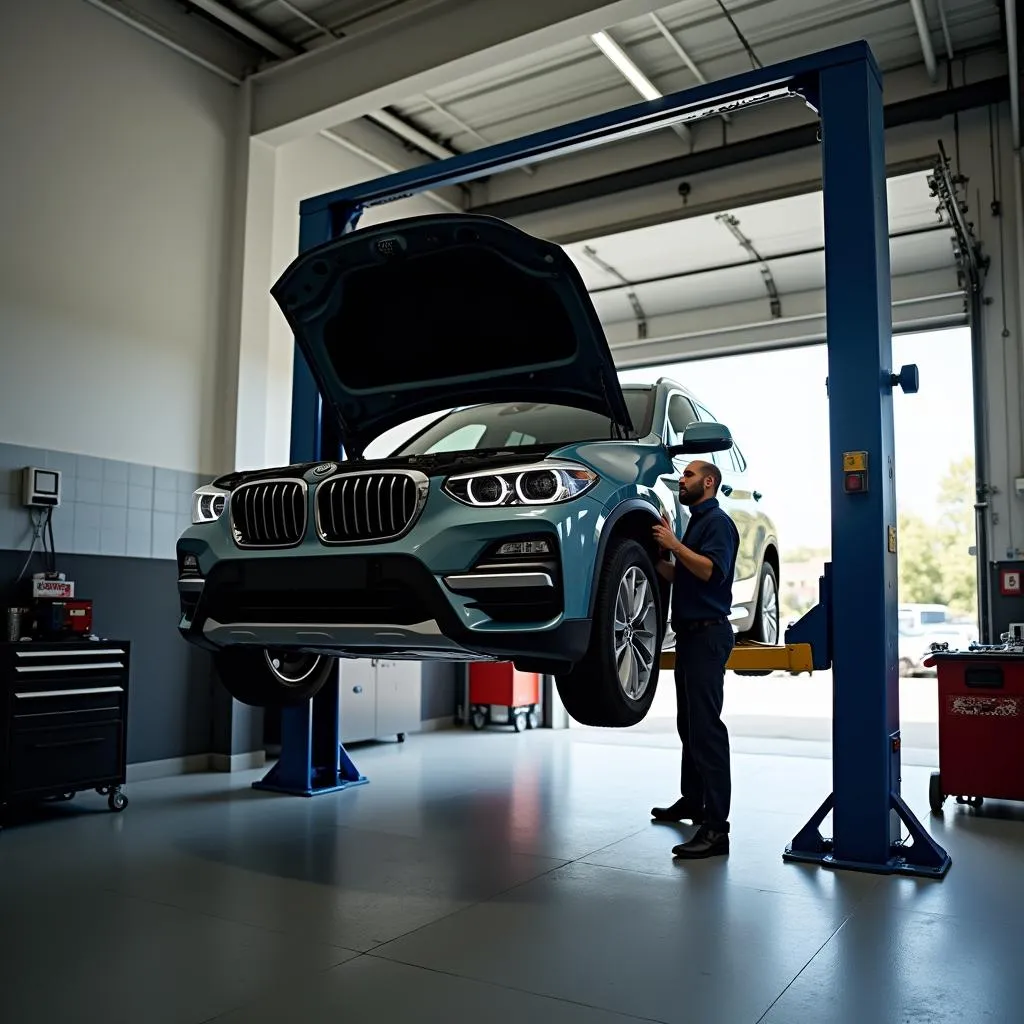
[(892, 540), (855, 462)]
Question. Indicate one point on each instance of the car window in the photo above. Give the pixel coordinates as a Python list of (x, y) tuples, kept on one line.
[(731, 459), (458, 440), (680, 415), (515, 424)]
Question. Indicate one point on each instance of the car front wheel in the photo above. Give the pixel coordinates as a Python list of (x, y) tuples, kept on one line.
[(271, 678), (614, 684)]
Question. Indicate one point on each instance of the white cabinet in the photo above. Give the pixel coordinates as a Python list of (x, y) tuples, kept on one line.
[(379, 698)]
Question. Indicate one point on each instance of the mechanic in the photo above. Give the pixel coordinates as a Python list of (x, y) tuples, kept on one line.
[(705, 560)]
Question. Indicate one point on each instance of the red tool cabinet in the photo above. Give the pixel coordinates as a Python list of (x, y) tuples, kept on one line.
[(981, 726), (500, 684)]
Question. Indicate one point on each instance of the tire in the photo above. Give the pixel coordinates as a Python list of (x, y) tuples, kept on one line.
[(765, 628), (936, 798), (592, 692), (272, 679)]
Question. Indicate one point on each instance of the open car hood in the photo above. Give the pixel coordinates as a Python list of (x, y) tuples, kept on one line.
[(428, 313)]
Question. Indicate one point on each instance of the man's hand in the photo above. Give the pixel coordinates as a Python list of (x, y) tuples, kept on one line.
[(664, 537)]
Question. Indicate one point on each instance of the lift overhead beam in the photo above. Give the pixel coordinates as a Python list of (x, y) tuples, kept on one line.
[(853, 628)]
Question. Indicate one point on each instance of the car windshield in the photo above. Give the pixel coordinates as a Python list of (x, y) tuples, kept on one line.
[(517, 424)]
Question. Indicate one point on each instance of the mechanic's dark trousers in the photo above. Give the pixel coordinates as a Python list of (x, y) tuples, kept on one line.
[(702, 650)]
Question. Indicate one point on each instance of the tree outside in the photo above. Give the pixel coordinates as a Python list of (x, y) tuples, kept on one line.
[(935, 562)]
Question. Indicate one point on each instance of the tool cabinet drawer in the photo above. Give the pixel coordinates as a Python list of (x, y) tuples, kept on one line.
[(83, 703), (69, 756)]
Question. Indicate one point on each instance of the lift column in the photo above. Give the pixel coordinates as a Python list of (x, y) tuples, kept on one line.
[(313, 760), (865, 802)]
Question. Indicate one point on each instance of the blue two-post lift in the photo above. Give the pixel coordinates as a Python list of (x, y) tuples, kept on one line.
[(853, 627)]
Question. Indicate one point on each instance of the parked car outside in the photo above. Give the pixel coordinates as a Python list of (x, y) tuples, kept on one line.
[(517, 526)]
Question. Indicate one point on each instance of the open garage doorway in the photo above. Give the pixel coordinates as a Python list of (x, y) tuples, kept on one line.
[(776, 404)]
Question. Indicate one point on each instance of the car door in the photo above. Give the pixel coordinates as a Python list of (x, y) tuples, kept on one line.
[(738, 499)]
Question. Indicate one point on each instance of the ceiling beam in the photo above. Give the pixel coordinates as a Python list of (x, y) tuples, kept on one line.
[(244, 27), (440, 41), (928, 107), (400, 127)]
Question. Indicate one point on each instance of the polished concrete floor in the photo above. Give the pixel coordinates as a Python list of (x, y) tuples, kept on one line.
[(496, 877)]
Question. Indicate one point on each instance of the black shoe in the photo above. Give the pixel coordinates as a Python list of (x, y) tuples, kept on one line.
[(707, 842), (684, 809)]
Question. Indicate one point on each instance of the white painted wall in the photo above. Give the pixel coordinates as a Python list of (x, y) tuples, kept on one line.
[(113, 178), (299, 170)]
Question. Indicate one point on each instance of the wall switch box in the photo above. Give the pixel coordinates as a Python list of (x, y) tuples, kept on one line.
[(41, 487), (1018, 486)]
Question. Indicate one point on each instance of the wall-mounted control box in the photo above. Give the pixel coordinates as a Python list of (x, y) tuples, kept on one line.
[(41, 487)]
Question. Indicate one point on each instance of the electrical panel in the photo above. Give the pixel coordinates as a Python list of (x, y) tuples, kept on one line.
[(41, 487)]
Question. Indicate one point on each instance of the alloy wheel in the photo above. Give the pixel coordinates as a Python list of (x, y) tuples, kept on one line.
[(770, 610), (635, 632)]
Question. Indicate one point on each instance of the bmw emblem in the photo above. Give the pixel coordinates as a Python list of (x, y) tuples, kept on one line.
[(324, 467)]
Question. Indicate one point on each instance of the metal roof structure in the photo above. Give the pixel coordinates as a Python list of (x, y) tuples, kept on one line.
[(732, 271)]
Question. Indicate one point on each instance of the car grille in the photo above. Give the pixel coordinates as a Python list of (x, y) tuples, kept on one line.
[(368, 506), (269, 513)]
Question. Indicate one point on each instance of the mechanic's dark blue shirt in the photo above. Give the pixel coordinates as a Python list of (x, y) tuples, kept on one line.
[(712, 533)]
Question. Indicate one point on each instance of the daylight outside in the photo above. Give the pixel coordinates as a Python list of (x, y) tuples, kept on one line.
[(768, 396)]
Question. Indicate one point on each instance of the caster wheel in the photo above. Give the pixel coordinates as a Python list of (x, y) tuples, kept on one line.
[(936, 798), (117, 801), (401, 737), (479, 720), (533, 719), (975, 801), (519, 721), (103, 790)]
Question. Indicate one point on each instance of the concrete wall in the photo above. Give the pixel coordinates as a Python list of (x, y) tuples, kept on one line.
[(116, 156)]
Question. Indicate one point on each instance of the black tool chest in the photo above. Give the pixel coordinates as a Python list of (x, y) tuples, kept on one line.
[(64, 720)]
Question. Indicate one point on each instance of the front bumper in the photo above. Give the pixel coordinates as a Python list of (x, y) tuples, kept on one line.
[(377, 605), (440, 590)]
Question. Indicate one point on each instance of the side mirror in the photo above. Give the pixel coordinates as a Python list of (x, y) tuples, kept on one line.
[(699, 438)]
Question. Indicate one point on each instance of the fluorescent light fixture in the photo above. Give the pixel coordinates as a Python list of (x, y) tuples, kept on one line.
[(627, 68)]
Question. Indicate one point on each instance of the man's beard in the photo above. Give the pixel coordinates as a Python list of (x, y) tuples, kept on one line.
[(688, 497)]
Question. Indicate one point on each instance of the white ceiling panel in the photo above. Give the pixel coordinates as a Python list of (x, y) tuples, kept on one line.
[(699, 268)]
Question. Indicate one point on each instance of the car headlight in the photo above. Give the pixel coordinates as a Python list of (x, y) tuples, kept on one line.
[(542, 484), (208, 504)]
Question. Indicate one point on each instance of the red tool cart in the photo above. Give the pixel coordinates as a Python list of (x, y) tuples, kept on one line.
[(499, 684), (981, 725)]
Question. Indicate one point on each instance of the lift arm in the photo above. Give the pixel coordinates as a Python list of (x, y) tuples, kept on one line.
[(748, 656)]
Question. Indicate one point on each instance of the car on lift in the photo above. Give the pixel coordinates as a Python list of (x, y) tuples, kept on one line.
[(517, 526)]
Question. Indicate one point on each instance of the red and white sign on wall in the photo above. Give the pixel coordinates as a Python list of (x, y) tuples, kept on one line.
[(1009, 582)]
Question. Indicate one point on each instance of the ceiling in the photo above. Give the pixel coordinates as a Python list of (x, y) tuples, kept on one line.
[(680, 45), (760, 267)]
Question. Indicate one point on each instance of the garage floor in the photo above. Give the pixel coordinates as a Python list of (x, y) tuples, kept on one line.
[(498, 877)]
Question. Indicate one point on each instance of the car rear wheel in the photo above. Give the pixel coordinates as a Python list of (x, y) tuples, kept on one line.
[(614, 683), (271, 678), (765, 629)]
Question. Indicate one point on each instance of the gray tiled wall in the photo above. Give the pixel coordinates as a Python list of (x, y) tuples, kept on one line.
[(107, 507)]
